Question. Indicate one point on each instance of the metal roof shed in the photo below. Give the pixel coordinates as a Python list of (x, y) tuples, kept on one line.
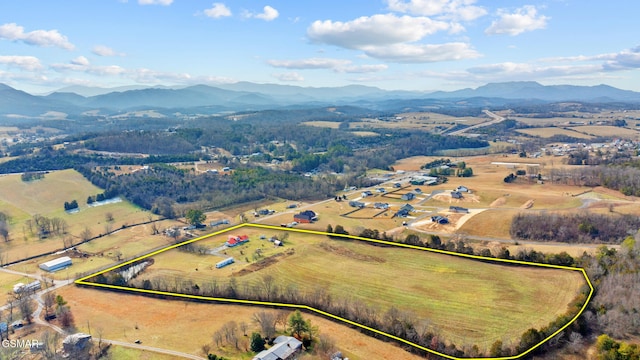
[(56, 264)]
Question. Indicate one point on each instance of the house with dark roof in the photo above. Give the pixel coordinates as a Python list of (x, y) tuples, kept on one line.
[(306, 216), (408, 196), (458, 209), (439, 219), (357, 204), (381, 205), (456, 195), (284, 348), (366, 193), (404, 211)]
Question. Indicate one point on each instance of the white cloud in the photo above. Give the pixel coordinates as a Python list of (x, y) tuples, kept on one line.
[(462, 10), (523, 19), (268, 14), (289, 77), (29, 63), (218, 10), (376, 30), (80, 60), (363, 69), (14, 32), (337, 65), (312, 63), (102, 50), (155, 2), (422, 53)]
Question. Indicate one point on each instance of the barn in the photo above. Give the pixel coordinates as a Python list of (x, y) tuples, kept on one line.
[(56, 264), (306, 216)]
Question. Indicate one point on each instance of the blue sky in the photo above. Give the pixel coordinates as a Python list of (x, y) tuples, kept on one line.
[(392, 44)]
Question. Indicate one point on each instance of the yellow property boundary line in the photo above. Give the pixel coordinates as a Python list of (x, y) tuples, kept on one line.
[(83, 281)]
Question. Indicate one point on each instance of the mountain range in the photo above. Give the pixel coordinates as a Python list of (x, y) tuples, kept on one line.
[(246, 96)]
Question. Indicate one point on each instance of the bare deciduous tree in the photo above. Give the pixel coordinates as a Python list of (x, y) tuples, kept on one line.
[(267, 322)]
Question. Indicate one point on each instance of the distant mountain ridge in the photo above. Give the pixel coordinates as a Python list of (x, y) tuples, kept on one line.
[(246, 96)]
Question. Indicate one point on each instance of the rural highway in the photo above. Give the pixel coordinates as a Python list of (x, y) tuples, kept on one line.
[(496, 119)]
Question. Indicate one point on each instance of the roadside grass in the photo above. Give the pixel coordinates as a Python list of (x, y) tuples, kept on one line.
[(186, 326), (468, 302), (125, 353)]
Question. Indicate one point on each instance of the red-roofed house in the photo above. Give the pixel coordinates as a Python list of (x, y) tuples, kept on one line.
[(234, 240)]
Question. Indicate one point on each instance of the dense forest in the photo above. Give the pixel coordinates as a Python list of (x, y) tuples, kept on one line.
[(161, 186)]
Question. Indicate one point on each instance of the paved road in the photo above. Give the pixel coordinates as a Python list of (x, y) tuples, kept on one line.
[(496, 119)]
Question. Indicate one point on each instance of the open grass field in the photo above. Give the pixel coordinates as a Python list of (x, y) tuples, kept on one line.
[(365, 133), (468, 302), (7, 281), (124, 353), (547, 132), (46, 197), (186, 326), (615, 131), (325, 124)]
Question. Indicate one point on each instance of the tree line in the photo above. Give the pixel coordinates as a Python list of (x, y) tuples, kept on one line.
[(581, 227)]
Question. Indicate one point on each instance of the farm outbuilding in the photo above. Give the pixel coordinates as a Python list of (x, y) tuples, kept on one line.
[(225, 262), (306, 216), (30, 287), (56, 264)]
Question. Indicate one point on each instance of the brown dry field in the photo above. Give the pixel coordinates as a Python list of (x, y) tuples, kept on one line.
[(325, 124), (551, 131), (609, 131), (186, 326), (365, 133)]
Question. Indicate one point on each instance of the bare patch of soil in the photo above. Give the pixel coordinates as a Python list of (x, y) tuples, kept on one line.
[(264, 263), (342, 251), (527, 205)]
